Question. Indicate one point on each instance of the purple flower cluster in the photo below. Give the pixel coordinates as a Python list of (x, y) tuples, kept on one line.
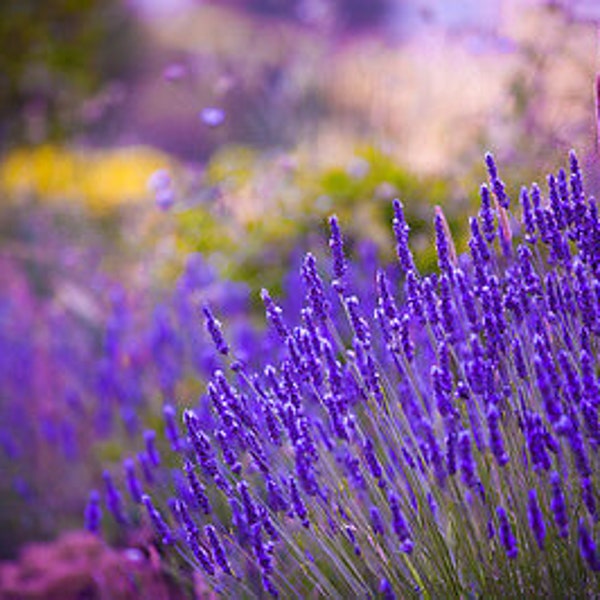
[(448, 445)]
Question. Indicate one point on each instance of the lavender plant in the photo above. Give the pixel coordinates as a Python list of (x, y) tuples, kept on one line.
[(423, 436)]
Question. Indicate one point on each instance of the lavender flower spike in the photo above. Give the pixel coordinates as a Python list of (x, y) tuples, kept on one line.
[(214, 328), (337, 249), (536, 519), (505, 534), (93, 513), (159, 524), (401, 230)]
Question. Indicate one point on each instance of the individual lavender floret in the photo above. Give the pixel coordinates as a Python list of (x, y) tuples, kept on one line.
[(479, 248), (269, 586), (414, 294), (133, 483), (180, 510), (496, 440), (248, 503), (401, 230), (298, 503), (160, 526), (589, 497), (171, 430), (497, 185), (217, 548), (114, 500), (467, 300), (197, 489), (556, 203), (275, 496), (551, 402), (373, 462), (536, 436), (200, 443), (386, 590), (536, 519), (274, 312), (465, 460), (214, 328), (385, 299), (444, 244), (559, 506), (430, 300), (93, 513), (376, 521), (359, 324), (587, 546), (201, 555), (315, 291), (261, 550), (400, 525), (507, 539), (486, 214), (151, 450), (576, 178), (528, 216), (337, 249)]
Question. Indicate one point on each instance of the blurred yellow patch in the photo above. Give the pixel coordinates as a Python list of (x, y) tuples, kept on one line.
[(100, 179)]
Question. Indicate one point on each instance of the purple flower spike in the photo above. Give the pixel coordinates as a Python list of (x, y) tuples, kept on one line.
[(497, 185), (159, 524), (507, 539), (400, 525), (274, 313), (401, 230), (337, 249), (93, 513), (197, 489), (496, 441), (386, 590), (528, 217), (444, 244), (376, 521), (536, 519), (133, 483), (486, 214), (587, 546), (213, 327), (151, 450), (201, 555), (218, 549), (465, 460), (298, 503), (269, 586), (171, 430), (559, 506), (114, 500), (315, 291)]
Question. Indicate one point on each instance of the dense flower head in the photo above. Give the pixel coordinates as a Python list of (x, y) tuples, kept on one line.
[(429, 434)]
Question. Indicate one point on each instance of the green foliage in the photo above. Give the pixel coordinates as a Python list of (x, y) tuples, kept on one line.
[(54, 54), (258, 248)]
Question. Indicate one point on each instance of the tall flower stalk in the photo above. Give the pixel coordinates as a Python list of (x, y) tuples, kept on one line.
[(426, 436)]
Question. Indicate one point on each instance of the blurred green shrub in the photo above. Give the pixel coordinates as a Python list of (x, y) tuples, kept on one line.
[(268, 208), (55, 54)]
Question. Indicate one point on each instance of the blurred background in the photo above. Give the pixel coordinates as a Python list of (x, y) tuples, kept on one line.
[(264, 116), (135, 133)]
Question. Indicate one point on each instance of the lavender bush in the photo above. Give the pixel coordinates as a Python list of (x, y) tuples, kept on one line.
[(81, 375), (415, 436)]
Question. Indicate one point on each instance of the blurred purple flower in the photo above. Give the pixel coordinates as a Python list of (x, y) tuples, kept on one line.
[(212, 116)]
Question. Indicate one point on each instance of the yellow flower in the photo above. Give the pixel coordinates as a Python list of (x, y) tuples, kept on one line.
[(100, 179)]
